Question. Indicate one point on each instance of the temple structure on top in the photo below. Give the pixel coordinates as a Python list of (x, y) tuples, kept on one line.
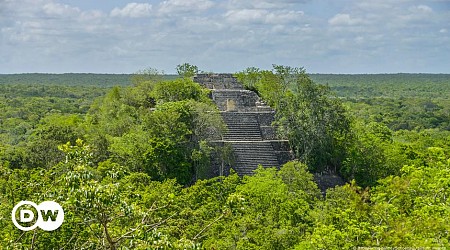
[(249, 121)]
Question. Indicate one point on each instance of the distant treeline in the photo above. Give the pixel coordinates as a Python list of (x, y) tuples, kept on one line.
[(386, 85), (70, 79), (103, 80), (344, 85)]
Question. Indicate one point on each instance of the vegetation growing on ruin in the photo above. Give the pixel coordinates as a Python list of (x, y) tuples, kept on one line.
[(127, 162)]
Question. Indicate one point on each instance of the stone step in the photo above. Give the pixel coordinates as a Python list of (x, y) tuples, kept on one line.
[(249, 155), (242, 123), (259, 153), (256, 162), (244, 128), (234, 114), (236, 138), (243, 131), (260, 156), (245, 145), (247, 127), (239, 120), (257, 159), (268, 162), (218, 81), (259, 149), (236, 118), (243, 135), (234, 126), (247, 119)]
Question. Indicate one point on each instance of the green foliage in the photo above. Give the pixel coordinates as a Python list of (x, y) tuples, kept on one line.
[(131, 172), (178, 90), (167, 140), (249, 77), (341, 220), (402, 211), (366, 159), (413, 207), (376, 152), (299, 181), (307, 114), (40, 111), (186, 70), (108, 206), (400, 101), (316, 125), (38, 82), (267, 211), (147, 75), (430, 86)]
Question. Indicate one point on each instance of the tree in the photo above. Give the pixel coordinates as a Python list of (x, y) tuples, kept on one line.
[(366, 159), (341, 221), (187, 70), (412, 209), (249, 77), (53, 130), (267, 211), (147, 75), (106, 206), (161, 128), (179, 90), (307, 114)]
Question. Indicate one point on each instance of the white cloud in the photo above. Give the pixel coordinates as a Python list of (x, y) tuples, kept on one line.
[(344, 19), (263, 4), (92, 15), (284, 16), (263, 16), (381, 5), (174, 6), (133, 10), (56, 9), (202, 25), (46, 35), (373, 5), (416, 15), (422, 9), (246, 16)]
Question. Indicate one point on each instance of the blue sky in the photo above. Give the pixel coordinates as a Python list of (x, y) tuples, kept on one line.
[(324, 36)]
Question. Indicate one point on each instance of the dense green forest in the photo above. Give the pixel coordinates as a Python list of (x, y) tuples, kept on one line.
[(126, 156)]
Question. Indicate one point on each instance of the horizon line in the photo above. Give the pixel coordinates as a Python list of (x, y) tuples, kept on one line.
[(171, 74)]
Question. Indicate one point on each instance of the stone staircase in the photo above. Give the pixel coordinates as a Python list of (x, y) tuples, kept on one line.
[(248, 120), (249, 155), (241, 127)]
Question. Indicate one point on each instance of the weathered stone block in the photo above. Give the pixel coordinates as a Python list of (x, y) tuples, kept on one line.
[(279, 145), (268, 133), (266, 118)]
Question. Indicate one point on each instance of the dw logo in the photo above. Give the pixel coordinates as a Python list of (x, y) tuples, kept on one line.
[(50, 215)]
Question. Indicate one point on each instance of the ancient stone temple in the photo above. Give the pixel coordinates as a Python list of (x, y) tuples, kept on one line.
[(249, 121)]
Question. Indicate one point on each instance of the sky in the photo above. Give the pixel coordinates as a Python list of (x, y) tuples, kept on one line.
[(324, 36)]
